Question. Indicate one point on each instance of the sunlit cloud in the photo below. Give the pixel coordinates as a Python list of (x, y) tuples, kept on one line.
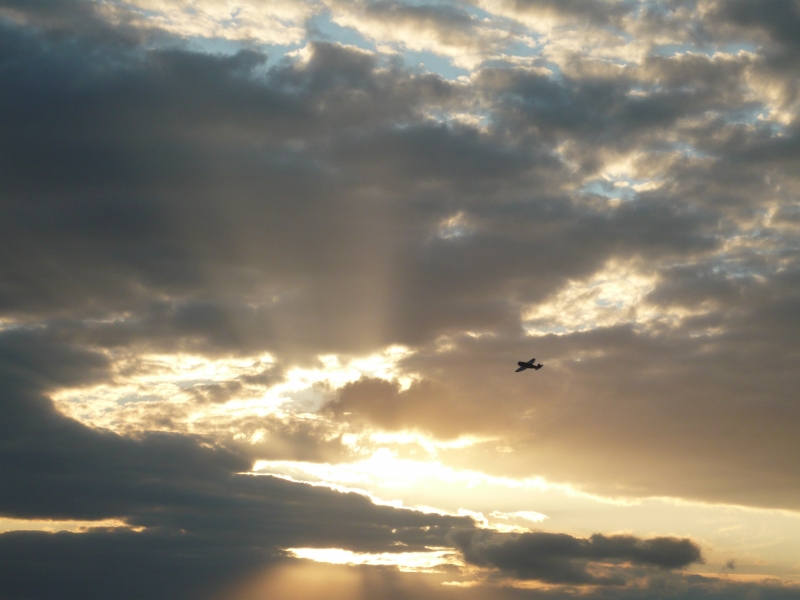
[(202, 395), (612, 296), (275, 22), (53, 526), (527, 515), (454, 227), (448, 30)]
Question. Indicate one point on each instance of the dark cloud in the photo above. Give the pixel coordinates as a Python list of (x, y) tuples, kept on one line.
[(598, 12), (561, 558), (777, 21), (602, 112), (424, 406)]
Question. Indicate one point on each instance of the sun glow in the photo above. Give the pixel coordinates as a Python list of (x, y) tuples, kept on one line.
[(386, 469), (431, 445), (528, 515), (405, 561)]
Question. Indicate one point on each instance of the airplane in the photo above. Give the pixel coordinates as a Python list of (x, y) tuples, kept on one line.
[(528, 365)]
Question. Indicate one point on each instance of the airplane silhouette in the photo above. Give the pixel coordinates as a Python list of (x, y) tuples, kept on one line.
[(528, 365)]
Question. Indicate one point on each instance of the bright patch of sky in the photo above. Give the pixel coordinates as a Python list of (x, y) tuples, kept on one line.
[(432, 63), (405, 561), (618, 190), (323, 28), (454, 227), (761, 541)]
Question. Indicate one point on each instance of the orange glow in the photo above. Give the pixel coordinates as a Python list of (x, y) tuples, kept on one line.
[(308, 581), (405, 561), (54, 526)]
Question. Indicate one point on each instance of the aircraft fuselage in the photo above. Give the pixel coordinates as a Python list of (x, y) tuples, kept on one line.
[(528, 365)]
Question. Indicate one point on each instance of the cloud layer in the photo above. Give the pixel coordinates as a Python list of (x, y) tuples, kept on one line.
[(240, 233)]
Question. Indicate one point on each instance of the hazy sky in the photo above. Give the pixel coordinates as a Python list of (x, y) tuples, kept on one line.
[(267, 267)]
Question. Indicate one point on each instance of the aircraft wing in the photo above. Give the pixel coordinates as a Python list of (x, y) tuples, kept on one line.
[(520, 369)]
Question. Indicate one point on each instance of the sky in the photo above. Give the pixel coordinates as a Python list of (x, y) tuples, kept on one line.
[(267, 268)]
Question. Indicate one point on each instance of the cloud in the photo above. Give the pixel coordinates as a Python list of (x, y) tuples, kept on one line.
[(777, 24), (304, 583), (561, 558), (204, 527), (165, 200), (613, 192), (595, 11), (422, 406), (198, 514), (281, 22), (445, 29)]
